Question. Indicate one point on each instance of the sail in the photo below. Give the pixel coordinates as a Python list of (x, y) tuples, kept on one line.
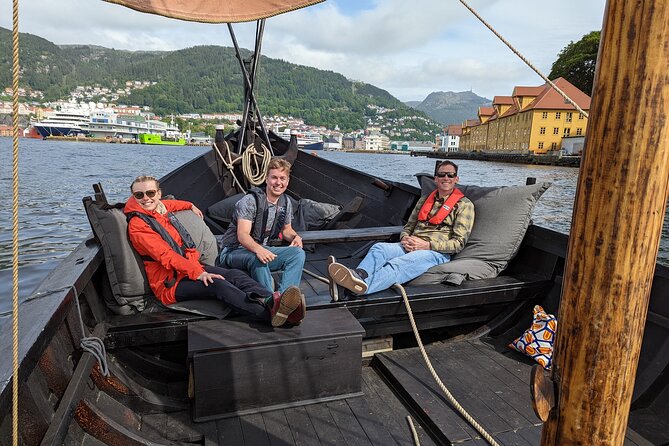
[(216, 11)]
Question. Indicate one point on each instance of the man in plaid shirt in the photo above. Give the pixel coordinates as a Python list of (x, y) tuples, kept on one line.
[(438, 227)]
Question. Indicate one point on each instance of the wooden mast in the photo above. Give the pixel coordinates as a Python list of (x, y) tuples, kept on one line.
[(621, 199)]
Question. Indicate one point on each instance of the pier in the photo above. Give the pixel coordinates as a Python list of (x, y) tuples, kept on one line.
[(515, 158)]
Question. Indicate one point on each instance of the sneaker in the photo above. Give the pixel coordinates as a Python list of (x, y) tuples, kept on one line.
[(284, 305), (347, 278), (298, 314)]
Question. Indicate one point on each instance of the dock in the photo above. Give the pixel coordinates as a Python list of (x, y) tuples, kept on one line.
[(513, 158)]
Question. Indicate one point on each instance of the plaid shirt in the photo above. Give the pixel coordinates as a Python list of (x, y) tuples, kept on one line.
[(451, 235)]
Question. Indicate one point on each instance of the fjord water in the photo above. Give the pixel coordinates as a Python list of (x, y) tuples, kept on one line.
[(55, 175)]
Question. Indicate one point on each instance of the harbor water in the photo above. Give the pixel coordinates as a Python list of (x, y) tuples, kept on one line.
[(55, 175)]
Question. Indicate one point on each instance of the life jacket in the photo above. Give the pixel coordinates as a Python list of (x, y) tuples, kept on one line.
[(444, 210), (258, 231), (186, 239)]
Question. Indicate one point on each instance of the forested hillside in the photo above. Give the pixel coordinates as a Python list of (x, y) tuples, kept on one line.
[(204, 79)]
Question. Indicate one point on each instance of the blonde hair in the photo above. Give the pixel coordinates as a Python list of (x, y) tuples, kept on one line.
[(144, 178), (279, 163)]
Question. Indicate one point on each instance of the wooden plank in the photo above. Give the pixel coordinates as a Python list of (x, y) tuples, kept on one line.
[(381, 398), (533, 434), (301, 427), (254, 430), (348, 425), (466, 393), (515, 409), (516, 368), (230, 431), (277, 427), (368, 419), (179, 427), (511, 438), (412, 383), (350, 235), (325, 427)]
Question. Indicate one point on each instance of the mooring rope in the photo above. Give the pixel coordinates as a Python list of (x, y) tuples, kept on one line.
[(15, 222), (255, 171), (524, 59), (451, 399), (91, 344), (229, 163), (414, 433)]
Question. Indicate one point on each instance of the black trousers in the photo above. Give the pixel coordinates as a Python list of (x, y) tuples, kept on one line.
[(238, 290)]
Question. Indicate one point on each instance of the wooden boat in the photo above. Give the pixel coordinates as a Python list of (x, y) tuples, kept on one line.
[(65, 399)]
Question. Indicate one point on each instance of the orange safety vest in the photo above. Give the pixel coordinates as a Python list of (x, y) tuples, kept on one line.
[(443, 212)]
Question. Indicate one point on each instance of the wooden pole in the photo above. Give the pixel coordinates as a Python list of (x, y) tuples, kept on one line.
[(620, 204)]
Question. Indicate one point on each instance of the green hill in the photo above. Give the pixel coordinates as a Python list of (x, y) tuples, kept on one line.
[(205, 79)]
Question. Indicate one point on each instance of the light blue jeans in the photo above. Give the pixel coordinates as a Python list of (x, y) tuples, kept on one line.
[(289, 260), (388, 263)]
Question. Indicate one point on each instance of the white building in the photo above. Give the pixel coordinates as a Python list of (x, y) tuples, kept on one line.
[(377, 141)]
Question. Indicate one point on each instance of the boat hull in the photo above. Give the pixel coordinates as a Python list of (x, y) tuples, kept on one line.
[(48, 130)]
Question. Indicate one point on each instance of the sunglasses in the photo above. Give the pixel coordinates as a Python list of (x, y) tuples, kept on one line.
[(447, 174), (149, 193)]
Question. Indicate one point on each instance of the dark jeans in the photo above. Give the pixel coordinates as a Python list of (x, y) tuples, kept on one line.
[(238, 290)]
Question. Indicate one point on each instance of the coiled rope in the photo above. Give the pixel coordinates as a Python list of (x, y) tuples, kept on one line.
[(441, 385), (529, 64), (15, 222), (255, 162)]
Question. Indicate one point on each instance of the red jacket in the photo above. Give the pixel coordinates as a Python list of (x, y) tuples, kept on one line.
[(149, 243)]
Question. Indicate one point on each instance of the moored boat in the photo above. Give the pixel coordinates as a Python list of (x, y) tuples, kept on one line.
[(63, 123), (156, 139)]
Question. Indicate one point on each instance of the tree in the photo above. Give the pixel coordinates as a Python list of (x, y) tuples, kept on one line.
[(576, 62)]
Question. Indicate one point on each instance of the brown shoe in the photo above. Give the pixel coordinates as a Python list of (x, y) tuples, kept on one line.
[(284, 305), (298, 314), (347, 278)]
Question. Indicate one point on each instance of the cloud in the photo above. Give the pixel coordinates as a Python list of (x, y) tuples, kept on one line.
[(409, 49)]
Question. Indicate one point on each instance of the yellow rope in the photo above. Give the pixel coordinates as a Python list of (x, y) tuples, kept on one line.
[(15, 223), (529, 64), (451, 399), (255, 173)]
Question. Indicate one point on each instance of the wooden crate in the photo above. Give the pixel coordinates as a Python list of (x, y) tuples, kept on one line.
[(243, 367)]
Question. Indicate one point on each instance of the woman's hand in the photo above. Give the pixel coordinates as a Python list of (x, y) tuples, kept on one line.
[(208, 278), (197, 211)]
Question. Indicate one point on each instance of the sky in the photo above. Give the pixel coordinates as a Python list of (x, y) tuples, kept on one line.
[(409, 48)]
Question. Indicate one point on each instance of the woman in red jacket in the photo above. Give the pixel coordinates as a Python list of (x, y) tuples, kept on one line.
[(172, 262)]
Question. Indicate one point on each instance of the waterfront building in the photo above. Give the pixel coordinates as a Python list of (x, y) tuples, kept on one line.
[(531, 120), (376, 140)]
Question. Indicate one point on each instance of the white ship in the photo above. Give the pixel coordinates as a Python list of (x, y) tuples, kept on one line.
[(64, 123)]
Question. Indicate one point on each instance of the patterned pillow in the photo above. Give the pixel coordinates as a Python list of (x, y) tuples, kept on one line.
[(537, 341)]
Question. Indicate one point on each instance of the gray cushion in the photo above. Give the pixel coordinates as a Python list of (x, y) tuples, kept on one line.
[(125, 270), (502, 217), (201, 235), (224, 209)]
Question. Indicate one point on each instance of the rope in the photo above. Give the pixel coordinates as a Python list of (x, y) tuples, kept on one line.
[(529, 64), (15, 222), (441, 385), (229, 163), (414, 434), (253, 171), (91, 344)]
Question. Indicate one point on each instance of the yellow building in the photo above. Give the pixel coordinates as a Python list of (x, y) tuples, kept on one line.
[(532, 119)]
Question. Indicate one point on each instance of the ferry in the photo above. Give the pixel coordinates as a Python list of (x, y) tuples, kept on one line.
[(64, 123), (167, 140)]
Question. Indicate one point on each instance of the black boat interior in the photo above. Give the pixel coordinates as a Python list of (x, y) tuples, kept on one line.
[(147, 399)]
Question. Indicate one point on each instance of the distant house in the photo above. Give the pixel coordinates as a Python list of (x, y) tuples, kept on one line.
[(377, 141), (450, 140), (332, 143)]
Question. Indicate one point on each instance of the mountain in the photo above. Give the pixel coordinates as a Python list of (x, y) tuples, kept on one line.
[(207, 79), (448, 107)]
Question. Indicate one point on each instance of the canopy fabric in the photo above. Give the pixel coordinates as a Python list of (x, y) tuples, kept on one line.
[(216, 11)]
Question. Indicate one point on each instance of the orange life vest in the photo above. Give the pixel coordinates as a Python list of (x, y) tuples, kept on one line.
[(443, 212)]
